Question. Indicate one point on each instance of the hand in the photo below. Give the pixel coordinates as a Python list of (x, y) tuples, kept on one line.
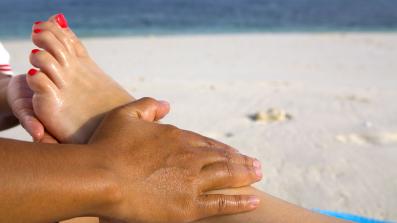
[(19, 98), (162, 172)]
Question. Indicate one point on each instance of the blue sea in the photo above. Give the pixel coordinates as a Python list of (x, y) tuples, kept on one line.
[(168, 17)]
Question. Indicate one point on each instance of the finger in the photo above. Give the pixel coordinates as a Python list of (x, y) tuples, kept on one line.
[(212, 155), (227, 175), (201, 141), (47, 138), (33, 126), (147, 109), (219, 204), (23, 110), (162, 110)]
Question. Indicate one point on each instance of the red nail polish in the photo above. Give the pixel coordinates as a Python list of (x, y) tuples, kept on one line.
[(61, 20), (34, 51), (37, 30), (32, 72), (38, 22)]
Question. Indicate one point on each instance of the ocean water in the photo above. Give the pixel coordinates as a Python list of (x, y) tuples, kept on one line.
[(157, 17)]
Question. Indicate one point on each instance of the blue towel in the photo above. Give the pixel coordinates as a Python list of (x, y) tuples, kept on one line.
[(349, 217)]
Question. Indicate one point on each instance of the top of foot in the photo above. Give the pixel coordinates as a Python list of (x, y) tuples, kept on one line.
[(71, 93)]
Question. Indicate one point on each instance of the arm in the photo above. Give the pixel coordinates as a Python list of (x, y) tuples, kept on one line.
[(7, 119), (131, 170), (49, 182)]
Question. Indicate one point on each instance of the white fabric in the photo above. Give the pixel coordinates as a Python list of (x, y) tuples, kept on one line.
[(5, 67)]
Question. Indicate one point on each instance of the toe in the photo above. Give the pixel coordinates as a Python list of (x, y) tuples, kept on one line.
[(66, 35), (45, 39), (40, 83), (48, 65), (58, 32)]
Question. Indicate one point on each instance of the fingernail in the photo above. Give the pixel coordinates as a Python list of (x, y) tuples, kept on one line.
[(258, 172), (38, 22), (61, 20), (166, 103), (258, 168), (34, 51), (32, 72), (257, 164), (253, 201), (37, 30)]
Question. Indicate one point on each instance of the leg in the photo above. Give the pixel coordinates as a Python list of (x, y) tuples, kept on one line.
[(271, 210), (82, 220)]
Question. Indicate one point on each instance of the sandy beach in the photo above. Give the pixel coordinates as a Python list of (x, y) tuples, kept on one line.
[(331, 140)]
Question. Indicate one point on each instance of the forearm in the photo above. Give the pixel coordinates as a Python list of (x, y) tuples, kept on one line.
[(47, 183), (7, 119), (271, 210)]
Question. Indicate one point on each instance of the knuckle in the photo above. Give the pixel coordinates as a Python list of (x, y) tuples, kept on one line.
[(46, 24), (42, 55), (228, 170), (222, 204), (45, 35), (209, 142), (187, 156), (246, 160), (145, 114), (171, 130), (121, 111), (226, 154), (238, 201), (148, 100)]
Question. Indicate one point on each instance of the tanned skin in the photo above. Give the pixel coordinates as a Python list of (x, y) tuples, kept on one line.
[(131, 170)]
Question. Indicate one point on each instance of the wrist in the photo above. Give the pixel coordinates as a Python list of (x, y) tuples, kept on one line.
[(107, 193), (84, 185)]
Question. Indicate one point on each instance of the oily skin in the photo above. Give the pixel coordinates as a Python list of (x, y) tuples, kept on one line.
[(67, 78), (271, 210), (115, 175)]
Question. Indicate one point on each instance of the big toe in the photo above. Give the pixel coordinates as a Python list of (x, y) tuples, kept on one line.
[(70, 38)]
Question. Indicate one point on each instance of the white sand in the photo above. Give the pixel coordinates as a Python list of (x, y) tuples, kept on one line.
[(339, 151)]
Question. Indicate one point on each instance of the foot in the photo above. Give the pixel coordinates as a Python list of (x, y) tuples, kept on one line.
[(71, 93)]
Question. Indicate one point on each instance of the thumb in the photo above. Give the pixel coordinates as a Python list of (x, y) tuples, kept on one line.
[(147, 109), (47, 138), (31, 124)]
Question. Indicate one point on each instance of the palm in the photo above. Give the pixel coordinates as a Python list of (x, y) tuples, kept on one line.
[(19, 97)]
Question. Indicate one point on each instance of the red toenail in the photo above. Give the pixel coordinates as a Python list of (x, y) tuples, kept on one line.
[(32, 72), (38, 22), (34, 51), (37, 30), (61, 20)]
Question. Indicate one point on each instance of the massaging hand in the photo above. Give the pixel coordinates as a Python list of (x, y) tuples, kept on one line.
[(162, 172), (19, 97)]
